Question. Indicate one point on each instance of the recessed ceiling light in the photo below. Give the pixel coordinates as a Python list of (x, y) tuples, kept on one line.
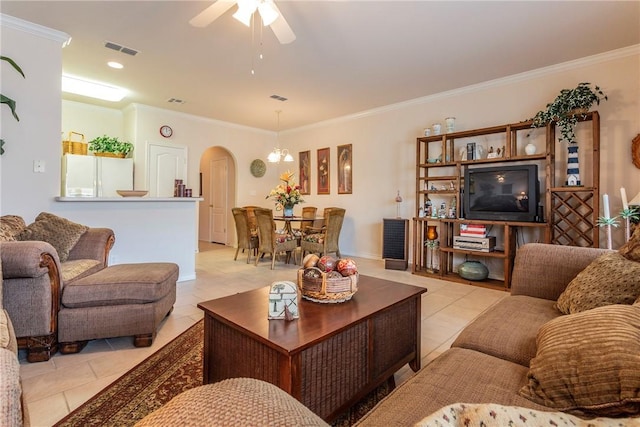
[(114, 64), (84, 87)]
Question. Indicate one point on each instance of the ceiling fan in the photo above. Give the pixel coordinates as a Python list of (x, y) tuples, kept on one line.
[(267, 9)]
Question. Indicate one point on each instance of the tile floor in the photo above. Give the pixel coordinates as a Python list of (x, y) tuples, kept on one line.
[(56, 387)]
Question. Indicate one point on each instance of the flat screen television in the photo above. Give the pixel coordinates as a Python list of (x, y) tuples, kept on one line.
[(502, 193)]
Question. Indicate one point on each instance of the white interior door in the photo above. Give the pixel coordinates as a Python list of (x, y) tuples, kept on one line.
[(219, 205), (166, 164)]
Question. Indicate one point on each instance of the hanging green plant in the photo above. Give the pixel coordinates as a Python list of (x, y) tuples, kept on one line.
[(8, 101), (568, 107)]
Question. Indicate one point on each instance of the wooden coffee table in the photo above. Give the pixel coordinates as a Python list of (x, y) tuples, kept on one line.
[(330, 357)]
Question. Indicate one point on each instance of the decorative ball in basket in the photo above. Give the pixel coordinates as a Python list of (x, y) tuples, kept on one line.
[(327, 280)]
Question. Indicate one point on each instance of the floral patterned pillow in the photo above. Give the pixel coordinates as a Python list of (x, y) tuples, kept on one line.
[(10, 227), (631, 249), (609, 279), (61, 233)]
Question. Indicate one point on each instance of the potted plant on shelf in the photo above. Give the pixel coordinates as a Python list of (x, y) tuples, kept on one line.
[(568, 107), (108, 146)]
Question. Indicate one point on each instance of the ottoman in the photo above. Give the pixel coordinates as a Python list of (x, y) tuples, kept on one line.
[(121, 300)]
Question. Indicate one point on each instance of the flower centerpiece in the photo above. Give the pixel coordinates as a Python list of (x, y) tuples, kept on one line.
[(286, 194)]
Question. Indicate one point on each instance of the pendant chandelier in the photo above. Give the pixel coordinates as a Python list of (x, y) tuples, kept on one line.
[(279, 154)]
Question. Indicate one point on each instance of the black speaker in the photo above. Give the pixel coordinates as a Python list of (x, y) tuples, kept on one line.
[(395, 243)]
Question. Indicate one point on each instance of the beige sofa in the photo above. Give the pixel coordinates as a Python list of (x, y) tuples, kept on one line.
[(11, 408), (497, 358), (35, 272)]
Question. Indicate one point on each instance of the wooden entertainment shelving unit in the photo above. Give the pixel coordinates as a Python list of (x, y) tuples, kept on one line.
[(570, 213)]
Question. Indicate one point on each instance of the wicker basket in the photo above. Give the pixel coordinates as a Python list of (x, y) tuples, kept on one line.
[(326, 289), (74, 147)]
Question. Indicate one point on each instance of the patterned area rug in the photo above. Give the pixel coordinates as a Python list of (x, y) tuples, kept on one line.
[(174, 368)]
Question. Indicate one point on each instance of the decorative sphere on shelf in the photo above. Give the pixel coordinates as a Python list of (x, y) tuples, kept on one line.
[(530, 149), (473, 270)]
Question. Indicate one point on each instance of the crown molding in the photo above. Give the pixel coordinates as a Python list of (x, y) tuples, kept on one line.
[(34, 29), (527, 75)]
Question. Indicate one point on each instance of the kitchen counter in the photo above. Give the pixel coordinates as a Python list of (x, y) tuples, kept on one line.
[(147, 229)]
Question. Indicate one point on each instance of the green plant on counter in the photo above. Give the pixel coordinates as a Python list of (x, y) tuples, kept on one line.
[(8, 101), (108, 144), (568, 106)]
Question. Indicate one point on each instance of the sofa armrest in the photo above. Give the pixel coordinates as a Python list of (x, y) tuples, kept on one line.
[(544, 270), (24, 259), (94, 244), (10, 389)]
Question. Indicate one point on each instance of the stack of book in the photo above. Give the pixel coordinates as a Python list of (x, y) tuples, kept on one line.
[(473, 230)]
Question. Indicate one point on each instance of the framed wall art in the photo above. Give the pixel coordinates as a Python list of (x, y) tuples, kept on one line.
[(323, 171), (345, 161), (304, 172)]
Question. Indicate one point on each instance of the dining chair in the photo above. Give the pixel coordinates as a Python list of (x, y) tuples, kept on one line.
[(270, 241), (308, 217), (253, 224), (325, 240), (246, 239)]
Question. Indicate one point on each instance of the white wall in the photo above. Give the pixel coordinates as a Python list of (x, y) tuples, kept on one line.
[(37, 50)]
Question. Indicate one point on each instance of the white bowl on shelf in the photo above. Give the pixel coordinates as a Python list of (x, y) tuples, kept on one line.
[(132, 193)]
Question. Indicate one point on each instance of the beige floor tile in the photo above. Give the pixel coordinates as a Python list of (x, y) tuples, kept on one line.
[(47, 411), (41, 386)]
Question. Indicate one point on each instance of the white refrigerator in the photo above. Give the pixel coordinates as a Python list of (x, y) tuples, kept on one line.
[(92, 176)]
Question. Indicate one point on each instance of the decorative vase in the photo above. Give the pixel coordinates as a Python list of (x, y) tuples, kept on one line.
[(287, 210), (530, 149), (573, 166), (473, 270), (432, 232)]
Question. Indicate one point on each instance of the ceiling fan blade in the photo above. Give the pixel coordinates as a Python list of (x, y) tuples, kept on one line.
[(281, 28), (211, 13)]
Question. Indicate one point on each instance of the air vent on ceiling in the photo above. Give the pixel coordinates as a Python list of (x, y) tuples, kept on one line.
[(278, 97), (175, 101), (119, 48)]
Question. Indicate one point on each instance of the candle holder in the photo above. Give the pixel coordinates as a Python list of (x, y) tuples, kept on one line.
[(628, 215), (431, 244), (607, 223)]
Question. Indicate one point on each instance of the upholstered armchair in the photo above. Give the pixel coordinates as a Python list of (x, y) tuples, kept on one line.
[(271, 242), (35, 272), (324, 240)]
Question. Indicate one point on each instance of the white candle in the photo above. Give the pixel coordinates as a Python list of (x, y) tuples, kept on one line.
[(623, 193), (605, 204)]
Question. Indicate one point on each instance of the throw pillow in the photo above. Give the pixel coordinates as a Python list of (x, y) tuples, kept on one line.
[(631, 249), (61, 233), (10, 227), (588, 363), (609, 279)]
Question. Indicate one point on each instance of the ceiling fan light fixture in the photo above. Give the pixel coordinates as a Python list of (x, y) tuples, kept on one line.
[(245, 11), (267, 13)]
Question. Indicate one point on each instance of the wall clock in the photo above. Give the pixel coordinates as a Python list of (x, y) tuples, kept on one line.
[(258, 168), (166, 131)]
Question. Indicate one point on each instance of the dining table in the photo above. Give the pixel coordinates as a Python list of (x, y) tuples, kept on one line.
[(317, 221)]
